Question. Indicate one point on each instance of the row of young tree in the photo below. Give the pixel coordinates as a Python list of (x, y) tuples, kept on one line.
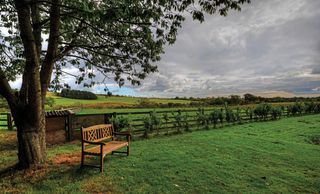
[(179, 121), (78, 94), (245, 99)]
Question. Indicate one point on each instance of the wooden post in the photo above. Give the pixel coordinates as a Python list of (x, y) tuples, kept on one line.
[(107, 117), (9, 121), (69, 126)]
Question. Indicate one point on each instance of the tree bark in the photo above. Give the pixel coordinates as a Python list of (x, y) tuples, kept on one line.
[(28, 110)]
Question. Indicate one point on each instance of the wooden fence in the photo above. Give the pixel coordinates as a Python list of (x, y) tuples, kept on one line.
[(71, 124), (6, 121), (136, 119)]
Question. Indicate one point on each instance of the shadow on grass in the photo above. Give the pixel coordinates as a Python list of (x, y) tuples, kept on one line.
[(9, 171)]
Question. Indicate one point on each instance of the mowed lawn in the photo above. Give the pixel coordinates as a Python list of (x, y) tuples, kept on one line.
[(264, 157)]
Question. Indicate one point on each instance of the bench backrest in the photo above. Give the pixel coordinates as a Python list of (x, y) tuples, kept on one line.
[(97, 132)]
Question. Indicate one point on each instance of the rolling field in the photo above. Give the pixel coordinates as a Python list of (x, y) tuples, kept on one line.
[(262, 157), (112, 101)]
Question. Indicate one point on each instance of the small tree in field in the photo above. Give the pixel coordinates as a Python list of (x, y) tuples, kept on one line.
[(116, 38)]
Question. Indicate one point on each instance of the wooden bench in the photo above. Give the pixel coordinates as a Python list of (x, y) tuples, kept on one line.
[(100, 140)]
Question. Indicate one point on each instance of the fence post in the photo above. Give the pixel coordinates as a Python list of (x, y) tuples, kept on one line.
[(107, 117), (114, 115), (69, 126), (9, 121)]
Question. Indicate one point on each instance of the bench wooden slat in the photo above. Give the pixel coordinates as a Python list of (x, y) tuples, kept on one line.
[(107, 148), (98, 135)]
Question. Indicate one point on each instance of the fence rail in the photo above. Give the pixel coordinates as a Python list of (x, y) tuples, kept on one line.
[(6, 121), (137, 119)]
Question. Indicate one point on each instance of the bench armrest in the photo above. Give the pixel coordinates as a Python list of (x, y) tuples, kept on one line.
[(93, 143), (126, 133)]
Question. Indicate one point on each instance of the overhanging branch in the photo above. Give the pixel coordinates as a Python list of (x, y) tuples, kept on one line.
[(5, 88)]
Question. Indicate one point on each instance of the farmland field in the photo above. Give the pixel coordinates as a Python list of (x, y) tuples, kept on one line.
[(113, 101), (263, 157)]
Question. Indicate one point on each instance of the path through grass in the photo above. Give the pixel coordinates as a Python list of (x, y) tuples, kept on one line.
[(263, 157)]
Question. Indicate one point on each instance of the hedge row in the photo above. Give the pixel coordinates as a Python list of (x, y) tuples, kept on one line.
[(77, 94)]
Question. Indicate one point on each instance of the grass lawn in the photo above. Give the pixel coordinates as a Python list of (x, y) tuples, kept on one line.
[(263, 157), (112, 101)]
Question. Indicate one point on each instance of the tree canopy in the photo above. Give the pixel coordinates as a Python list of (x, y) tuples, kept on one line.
[(120, 39), (117, 38)]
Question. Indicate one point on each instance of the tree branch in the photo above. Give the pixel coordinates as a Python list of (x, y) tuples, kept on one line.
[(47, 65), (5, 89), (35, 15)]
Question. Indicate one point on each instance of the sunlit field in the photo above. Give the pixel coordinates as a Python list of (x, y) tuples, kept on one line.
[(263, 157)]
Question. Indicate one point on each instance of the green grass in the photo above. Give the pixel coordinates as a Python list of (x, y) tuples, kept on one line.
[(262, 157), (116, 100)]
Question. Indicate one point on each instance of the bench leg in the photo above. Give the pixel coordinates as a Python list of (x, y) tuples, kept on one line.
[(128, 150), (82, 159), (101, 163)]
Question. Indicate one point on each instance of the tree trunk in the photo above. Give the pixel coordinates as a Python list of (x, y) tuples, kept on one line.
[(31, 138)]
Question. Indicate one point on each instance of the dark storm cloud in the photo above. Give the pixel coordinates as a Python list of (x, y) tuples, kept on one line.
[(269, 46)]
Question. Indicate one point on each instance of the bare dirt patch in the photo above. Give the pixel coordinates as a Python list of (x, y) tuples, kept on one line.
[(8, 141), (68, 159)]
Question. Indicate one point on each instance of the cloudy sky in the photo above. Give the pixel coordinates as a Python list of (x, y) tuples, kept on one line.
[(270, 47)]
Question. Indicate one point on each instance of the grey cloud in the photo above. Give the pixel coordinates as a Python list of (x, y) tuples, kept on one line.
[(270, 45)]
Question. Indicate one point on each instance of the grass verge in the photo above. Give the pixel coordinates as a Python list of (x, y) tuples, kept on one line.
[(263, 157)]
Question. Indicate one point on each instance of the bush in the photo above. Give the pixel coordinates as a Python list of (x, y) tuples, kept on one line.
[(276, 113), (77, 94), (120, 122), (202, 119), (214, 117), (249, 113), (310, 107), (185, 122), (237, 115), (178, 124), (229, 114), (155, 121), (49, 101), (151, 123), (296, 108), (262, 110), (147, 126), (165, 117), (221, 117)]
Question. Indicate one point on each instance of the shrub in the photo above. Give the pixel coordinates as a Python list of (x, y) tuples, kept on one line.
[(202, 119), (310, 107), (50, 101), (229, 113), (249, 113), (155, 121), (221, 117), (262, 110), (237, 115), (165, 117), (120, 122), (214, 117), (185, 122), (151, 123), (276, 113), (178, 124), (147, 126), (296, 108)]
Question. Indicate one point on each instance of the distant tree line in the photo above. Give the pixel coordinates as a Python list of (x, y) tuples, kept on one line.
[(78, 94), (246, 99)]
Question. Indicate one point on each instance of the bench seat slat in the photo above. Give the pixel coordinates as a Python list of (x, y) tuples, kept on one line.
[(107, 148)]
